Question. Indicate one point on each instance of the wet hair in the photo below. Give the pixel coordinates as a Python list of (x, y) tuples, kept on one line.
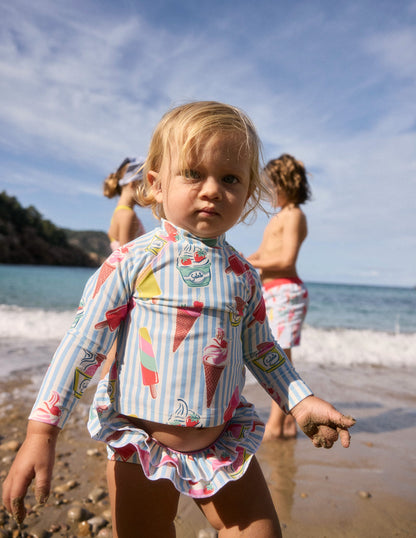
[(290, 175), (185, 129)]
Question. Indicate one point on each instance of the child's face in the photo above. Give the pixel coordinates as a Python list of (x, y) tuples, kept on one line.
[(208, 197)]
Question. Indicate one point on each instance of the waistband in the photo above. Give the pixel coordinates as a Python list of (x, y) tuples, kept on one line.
[(281, 281)]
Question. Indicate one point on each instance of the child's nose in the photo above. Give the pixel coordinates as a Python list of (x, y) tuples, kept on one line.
[(211, 188)]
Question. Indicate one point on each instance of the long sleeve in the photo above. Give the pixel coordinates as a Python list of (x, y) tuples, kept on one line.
[(265, 358), (104, 304)]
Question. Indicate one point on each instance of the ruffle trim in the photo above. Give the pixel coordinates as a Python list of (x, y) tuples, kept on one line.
[(197, 474)]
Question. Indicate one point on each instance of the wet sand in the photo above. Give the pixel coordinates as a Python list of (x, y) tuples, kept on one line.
[(366, 490)]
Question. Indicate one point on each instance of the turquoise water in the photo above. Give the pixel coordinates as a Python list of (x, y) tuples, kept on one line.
[(331, 305), (347, 325)]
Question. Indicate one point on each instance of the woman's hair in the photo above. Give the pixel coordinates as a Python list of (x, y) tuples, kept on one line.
[(185, 129), (111, 185), (290, 175)]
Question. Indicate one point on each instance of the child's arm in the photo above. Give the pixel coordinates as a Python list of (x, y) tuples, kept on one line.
[(35, 459), (322, 423)]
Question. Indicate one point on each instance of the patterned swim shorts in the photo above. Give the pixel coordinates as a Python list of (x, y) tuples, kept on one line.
[(286, 305)]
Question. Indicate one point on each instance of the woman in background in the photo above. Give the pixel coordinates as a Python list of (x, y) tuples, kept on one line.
[(125, 225)]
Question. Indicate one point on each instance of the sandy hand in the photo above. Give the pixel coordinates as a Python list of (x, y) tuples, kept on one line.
[(35, 459), (322, 423)]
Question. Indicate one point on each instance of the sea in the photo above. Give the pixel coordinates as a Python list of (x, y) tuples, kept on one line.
[(346, 325)]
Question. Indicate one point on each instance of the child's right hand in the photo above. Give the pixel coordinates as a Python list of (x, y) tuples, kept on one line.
[(35, 459), (322, 423)]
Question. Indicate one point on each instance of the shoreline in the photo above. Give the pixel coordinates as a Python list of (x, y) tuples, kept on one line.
[(365, 490)]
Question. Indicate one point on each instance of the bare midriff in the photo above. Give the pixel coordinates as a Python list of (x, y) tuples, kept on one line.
[(180, 438)]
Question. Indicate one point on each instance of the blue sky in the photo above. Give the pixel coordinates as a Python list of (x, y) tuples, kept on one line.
[(83, 84)]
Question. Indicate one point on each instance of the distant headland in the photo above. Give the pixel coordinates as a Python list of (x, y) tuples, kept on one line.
[(27, 238)]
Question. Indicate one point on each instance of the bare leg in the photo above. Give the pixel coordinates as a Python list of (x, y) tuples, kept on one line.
[(139, 506), (243, 508), (280, 425)]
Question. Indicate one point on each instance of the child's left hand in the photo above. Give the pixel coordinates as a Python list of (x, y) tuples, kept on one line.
[(322, 423)]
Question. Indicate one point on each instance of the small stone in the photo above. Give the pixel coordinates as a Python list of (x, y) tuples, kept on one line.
[(54, 528), (93, 452), (39, 533), (11, 446), (63, 488), (96, 523), (105, 533), (97, 494), (207, 533), (365, 494), (84, 529), (78, 513), (304, 495)]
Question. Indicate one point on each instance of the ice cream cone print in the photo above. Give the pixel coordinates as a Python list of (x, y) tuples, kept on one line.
[(185, 319), (148, 364), (146, 284), (214, 360), (105, 272)]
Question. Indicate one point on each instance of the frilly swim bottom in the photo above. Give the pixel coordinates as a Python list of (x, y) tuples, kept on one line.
[(198, 474)]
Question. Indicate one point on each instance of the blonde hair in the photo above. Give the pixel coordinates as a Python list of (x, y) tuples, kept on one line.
[(188, 126), (290, 175), (111, 185)]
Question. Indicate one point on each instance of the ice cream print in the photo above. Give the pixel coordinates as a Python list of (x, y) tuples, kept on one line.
[(85, 371), (268, 357), (183, 416), (109, 266), (185, 318), (214, 360), (194, 266), (150, 376)]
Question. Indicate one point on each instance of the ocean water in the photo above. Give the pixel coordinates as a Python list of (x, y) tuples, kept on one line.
[(346, 325)]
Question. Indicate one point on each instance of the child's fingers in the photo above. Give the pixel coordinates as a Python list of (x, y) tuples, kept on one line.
[(18, 509), (345, 437)]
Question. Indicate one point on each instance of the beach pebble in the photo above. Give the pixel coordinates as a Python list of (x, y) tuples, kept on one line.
[(8, 460), (105, 533), (304, 495), (97, 494), (12, 446), (63, 488), (84, 529), (39, 533), (96, 523), (78, 513), (93, 452), (207, 533), (364, 494)]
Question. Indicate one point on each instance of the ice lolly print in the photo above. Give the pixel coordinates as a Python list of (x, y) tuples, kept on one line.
[(185, 319), (148, 362)]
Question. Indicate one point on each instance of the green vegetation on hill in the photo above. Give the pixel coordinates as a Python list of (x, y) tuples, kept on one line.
[(27, 238)]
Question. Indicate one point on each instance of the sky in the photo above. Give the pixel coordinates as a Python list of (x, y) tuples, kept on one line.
[(84, 83)]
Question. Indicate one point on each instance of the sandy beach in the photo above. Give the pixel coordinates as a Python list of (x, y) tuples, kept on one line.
[(366, 490)]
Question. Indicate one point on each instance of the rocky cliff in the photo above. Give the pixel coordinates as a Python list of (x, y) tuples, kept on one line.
[(27, 238)]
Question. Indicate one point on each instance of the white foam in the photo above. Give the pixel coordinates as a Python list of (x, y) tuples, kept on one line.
[(33, 323)]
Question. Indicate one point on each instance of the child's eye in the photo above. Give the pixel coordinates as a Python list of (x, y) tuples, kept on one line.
[(191, 174), (230, 179)]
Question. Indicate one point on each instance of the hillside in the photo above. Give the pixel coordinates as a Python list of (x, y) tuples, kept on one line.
[(27, 238)]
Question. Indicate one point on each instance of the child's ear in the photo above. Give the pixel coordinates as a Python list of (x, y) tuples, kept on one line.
[(154, 181)]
